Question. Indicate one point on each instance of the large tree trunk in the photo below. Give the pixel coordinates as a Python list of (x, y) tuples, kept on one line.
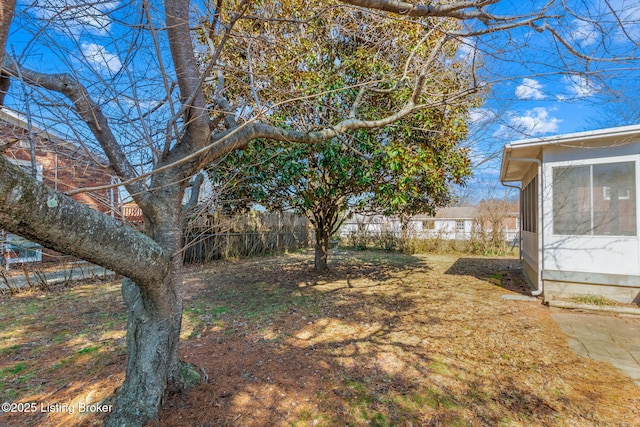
[(153, 260), (322, 249), (325, 219), (152, 344), (6, 15), (7, 9), (153, 333)]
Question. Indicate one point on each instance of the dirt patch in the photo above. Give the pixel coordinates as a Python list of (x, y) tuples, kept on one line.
[(382, 339)]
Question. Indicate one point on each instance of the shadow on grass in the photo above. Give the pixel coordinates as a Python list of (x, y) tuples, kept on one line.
[(375, 341), (380, 340), (505, 273), (58, 347)]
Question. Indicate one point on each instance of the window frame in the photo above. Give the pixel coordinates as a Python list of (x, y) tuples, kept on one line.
[(428, 224), (591, 163), (529, 206)]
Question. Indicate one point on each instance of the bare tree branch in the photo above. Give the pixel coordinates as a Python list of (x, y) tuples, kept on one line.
[(196, 185), (28, 208), (89, 112), (186, 67), (459, 9)]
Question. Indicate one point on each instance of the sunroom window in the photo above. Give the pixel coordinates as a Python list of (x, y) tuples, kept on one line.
[(597, 200)]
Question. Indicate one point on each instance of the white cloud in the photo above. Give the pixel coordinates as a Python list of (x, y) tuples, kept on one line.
[(99, 57), (632, 24), (466, 49), (603, 22), (532, 123), (627, 13), (481, 156), (530, 89), (77, 16), (481, 115), (585, 33), (579, 86), (145, 104)]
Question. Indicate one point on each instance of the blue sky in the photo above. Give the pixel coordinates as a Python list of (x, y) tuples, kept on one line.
[(46, 31), (101, 46), (540, 88), (530, 95)]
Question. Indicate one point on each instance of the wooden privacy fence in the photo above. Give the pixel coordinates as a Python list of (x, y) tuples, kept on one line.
[(213, 236), (204, 247)]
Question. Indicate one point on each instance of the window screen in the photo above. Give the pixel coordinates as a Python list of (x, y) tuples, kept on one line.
[(614, 207), (529, 206), (595, 199)]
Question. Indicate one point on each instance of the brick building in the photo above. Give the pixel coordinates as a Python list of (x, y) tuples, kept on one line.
[(60, 165)]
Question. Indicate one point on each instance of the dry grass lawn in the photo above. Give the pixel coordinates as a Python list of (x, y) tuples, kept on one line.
[(382, 340)]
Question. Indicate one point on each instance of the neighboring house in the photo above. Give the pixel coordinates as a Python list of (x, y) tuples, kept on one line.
[(60, 165), (132, 214), (450, 223), (498, 220), (363, 225), (579, 209)]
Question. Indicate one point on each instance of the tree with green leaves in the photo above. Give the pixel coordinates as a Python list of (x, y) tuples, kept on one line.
[(422, 163), (376, 171), (339, 65), (321, 181)]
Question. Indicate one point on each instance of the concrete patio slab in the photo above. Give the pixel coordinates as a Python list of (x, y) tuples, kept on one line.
[(605, 338)]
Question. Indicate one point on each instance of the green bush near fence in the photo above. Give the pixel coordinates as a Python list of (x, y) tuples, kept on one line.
[(477, 244)]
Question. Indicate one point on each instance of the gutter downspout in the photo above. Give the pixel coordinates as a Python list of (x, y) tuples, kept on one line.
[(540, 289)]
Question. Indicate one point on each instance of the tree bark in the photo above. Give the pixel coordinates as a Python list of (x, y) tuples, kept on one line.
[(152, 363), (45, 216), (321, 249), (153, 329), (6, 16), (323, 221), (153, 260), (7, 9)]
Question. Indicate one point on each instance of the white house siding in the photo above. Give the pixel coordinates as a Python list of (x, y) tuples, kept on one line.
[(361, 224), (450, 223), (587, 261), (618, 255), (454, 223), (448, 229)]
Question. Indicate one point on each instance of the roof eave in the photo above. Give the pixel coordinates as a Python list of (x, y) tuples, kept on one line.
[(531, 148)]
